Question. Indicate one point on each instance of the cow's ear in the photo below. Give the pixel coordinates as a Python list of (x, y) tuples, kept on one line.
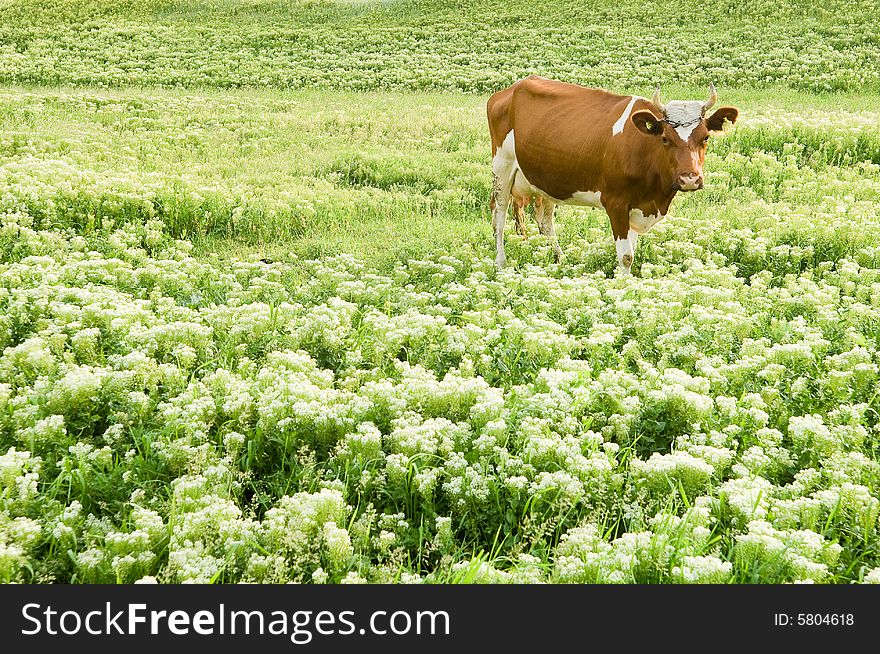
[(715, 122), (647, 123)]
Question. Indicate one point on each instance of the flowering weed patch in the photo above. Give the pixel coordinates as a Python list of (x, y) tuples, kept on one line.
[(188, 417), (258, 335)]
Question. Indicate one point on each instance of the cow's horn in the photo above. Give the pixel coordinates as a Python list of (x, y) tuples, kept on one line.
[(655, 100), (713, 97)]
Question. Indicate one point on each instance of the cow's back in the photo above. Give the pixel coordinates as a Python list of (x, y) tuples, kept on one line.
[(564, 133)]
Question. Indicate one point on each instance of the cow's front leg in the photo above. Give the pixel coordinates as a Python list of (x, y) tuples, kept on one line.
[(624, 238), (633, 237)]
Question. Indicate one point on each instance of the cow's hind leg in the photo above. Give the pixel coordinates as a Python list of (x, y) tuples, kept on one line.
[(519, 216), (544, 216), (503, 171)]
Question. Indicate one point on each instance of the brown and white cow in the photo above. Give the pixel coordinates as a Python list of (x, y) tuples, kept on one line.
[(554, 142)]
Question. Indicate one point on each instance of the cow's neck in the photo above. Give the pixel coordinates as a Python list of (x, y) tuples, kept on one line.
[(657, 189)]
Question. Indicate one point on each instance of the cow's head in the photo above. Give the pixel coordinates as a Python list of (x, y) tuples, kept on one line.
[(682, 130)]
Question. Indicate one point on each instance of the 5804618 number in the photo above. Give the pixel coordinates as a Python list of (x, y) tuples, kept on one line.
[(821, 619)]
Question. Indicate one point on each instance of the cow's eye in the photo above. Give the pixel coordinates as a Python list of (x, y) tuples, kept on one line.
[(706, 140), (664, 140)]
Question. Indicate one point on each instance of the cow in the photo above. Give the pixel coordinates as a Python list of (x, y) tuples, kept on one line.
[(559, 143)]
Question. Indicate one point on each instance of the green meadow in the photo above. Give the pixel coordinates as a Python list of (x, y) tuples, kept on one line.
[(251, 328)]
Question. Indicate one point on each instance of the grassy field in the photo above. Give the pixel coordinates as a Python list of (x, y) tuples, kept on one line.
[(316, 173), (251, 329)]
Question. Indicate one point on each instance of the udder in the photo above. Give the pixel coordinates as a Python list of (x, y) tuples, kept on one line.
[(522, 192), (521, 195)]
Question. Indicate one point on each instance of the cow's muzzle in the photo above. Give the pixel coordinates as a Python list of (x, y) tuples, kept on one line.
[(689, 182)]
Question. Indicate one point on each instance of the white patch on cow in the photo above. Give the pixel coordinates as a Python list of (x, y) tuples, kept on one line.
[(507, 151), (505, 156), (684, 111), (617, 128), (625, 254), (640, 223), (586, 199)]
